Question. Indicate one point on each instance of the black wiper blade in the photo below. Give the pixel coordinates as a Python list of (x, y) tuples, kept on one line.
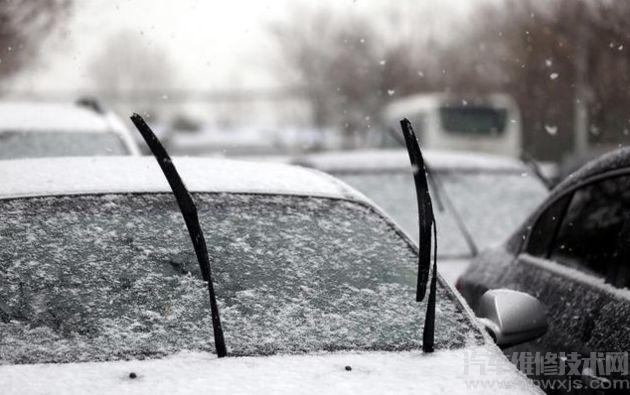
[(426, 223), (425, 209), (191, 217)]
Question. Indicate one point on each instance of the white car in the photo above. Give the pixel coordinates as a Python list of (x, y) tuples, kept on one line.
[(100, 290), (33, 130), (480, 198)]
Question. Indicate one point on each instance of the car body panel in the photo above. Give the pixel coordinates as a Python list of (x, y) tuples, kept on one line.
[(445, 371)]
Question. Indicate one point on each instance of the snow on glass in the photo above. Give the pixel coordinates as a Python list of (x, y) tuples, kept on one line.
[(92, 278), (397, 196)]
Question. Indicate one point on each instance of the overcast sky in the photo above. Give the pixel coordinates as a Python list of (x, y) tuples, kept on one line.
[(213, 44)]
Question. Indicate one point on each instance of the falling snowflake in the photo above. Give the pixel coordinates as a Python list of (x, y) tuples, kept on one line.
[(553, 76), (391, 92), (551, 129)]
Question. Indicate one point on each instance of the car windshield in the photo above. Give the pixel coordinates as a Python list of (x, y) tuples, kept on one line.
[(14, 145), (108, 277), (491, 204), (395, 193)]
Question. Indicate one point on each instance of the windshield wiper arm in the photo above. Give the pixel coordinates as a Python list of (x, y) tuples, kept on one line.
[(191, 217), (442, 196), (534, 166), (426, 223)]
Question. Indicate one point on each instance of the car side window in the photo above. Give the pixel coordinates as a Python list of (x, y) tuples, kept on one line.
[(546, 227), (589, 233)]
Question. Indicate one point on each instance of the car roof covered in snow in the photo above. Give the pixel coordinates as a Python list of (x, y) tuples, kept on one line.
[(101, 175), (398, 159), (48, 117)]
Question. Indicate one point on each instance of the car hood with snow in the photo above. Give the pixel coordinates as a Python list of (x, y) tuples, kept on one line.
[(472, 371), (304, 266)]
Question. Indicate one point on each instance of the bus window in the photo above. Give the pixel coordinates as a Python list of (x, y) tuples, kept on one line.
[(473, 120)]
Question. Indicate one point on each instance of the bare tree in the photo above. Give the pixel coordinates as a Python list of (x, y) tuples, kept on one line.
[(129, 63), (24, 24), (567, 63), (349, 69)]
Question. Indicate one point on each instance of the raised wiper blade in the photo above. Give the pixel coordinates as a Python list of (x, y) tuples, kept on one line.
[(425, 209), (426, 223), (400, 140), (191, 217)]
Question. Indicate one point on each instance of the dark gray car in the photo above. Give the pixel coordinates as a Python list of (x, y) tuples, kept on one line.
[(573, 254)]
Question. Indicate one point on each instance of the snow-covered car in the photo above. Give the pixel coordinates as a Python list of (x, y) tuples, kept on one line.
[(100, 290), (84, 128), (572, 253), (483, 197)]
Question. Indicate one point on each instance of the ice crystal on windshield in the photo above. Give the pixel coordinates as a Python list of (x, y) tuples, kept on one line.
[(115, 277)]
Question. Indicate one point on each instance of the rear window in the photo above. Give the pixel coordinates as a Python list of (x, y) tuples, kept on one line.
[(109, 277), (16, 145), (473, 120)]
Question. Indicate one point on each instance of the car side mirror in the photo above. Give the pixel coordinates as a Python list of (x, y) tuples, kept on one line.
[(512, 317)]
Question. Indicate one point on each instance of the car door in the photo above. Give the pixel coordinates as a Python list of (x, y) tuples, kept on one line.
[(575, 260)]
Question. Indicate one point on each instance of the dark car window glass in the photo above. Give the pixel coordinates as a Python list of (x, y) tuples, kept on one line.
[(109, 277), (473, 120), (589, 234), (619, 273), (16, 145), (546, 226)]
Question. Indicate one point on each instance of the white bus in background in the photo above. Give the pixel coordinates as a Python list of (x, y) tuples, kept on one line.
[(490, 123)]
